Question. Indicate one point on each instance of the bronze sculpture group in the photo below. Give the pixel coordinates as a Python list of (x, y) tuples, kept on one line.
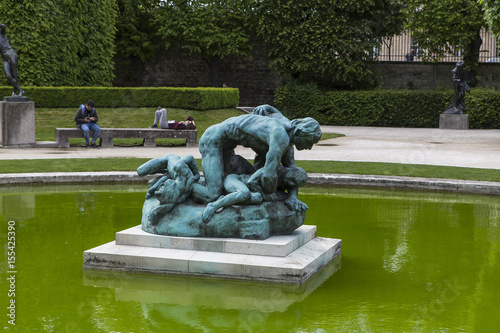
[(233, 198)]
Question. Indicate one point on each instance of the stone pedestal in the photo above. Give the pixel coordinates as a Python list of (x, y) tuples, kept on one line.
[(17, 123), (285, 259), (454, 121)]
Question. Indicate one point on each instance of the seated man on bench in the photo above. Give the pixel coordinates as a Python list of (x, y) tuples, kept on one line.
[(86, 120)]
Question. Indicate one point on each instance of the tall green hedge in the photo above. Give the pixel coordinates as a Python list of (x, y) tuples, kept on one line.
[(384, 108), (183, 98), (61, 42)]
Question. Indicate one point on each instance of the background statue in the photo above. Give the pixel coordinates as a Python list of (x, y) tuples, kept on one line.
[(459, 76), (9, 57)]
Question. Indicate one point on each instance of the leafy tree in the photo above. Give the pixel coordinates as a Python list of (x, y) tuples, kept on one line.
[(136, 39), (446, 26), (98, 30), (327, 37), (492, 13), (210, 29)]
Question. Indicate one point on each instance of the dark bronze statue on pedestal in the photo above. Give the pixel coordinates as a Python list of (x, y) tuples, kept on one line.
[(9, 57), (459, 76)]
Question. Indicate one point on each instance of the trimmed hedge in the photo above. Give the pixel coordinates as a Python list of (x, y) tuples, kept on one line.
[(182, 98), (384, 108)]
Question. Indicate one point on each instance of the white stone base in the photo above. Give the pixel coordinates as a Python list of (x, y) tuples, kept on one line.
[(286, 259)]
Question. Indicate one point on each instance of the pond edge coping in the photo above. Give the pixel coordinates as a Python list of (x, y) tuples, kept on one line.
[(395, 182)]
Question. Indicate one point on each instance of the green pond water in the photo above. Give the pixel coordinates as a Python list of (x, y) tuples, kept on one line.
[(411, 262)]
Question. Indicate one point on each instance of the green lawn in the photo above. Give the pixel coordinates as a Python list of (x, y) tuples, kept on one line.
[(362, 168), (47, 119), (325, 136)]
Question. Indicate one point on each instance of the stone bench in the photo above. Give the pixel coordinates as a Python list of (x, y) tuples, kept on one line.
[(108, 134)]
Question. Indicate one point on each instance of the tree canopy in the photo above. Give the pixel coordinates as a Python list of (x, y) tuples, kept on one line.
[(492, 13), (327, 37), (446, 26), (210, 29), (73, 42), (137, 40)]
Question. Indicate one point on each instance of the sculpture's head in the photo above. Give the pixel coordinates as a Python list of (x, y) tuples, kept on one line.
[(179, 169), (294, 176), (305, 133), (167, 192), (460, 63)]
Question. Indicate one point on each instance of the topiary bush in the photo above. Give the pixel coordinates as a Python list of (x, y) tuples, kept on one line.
[(384, 108), (182, 98)]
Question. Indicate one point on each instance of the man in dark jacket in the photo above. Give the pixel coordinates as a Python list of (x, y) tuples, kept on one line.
[(411, 55), (86, 120)]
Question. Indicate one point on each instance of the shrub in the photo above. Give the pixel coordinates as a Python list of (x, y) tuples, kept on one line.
[(182, 98), (384, 108)]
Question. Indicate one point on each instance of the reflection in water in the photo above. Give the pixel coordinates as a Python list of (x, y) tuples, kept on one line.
[(437, 248), (489, 229), (183, 299), (411, 261), (395, 259), (18, 207), (85, 202)]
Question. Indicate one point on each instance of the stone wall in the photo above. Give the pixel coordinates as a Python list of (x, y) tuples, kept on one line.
[(256, 81), (415, 75), (251, 75)]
